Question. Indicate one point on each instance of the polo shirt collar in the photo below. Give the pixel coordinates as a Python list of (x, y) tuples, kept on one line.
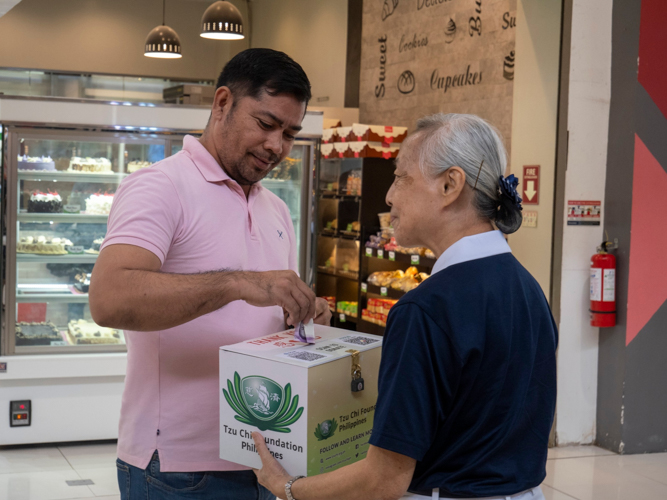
[(209, 168), (477, 246)]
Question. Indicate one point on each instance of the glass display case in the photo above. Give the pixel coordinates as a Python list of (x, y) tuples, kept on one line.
[(56, 220), (290, 181)]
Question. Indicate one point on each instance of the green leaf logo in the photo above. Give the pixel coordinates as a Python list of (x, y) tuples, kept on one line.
[(326, 429), (262, 403)]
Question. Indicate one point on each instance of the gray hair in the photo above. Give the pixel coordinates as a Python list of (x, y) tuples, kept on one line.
[(466, 141)]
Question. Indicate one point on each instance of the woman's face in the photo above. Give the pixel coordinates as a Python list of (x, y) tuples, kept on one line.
[(415, 200)]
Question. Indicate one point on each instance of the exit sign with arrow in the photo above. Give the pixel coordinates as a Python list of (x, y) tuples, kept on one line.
[(531, 185)]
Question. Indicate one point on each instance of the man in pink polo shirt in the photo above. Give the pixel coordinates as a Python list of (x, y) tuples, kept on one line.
[(198, 255)]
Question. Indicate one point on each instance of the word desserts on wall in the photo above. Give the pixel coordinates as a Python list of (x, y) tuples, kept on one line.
[(425, 56)]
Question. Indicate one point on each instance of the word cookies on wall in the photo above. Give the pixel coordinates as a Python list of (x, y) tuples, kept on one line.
[(421, 57)]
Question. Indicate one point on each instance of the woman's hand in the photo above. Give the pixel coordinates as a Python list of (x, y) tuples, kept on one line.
[(272, 475)]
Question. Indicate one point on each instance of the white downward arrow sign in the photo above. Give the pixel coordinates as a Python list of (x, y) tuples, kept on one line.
[(530, 190)]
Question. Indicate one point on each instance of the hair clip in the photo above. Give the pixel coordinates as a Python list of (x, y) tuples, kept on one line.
[(478, 172)]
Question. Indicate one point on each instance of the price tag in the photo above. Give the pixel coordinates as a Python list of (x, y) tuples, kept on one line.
[(414, 259), (383, 291), (380, 253), (78, 249), (72, 209), (369, 252), (342, 318), (58, 342), (392, 256), (364, 287)]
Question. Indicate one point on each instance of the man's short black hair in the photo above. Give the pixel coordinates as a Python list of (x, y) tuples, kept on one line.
[(254, 70)]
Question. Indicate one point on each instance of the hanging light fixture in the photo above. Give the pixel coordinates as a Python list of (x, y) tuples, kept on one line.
[(162, 41), (222, 21)]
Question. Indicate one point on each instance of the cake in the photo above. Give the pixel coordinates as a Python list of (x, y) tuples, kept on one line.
[(86, 332), (50, 203), (62, 163), (77, 164), (97, 244), (82, 282), (133, 166), (36, 163), (508, 67), (36, 333), (99, 204), (42, 245), (450, 31)]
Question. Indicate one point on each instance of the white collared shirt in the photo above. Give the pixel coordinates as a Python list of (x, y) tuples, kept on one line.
[(477, 246)]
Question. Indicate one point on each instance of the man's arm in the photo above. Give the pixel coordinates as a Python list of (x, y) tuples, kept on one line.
[(382, 475), (128, 291)]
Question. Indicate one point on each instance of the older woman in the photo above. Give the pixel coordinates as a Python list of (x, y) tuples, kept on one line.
[(467, 384)]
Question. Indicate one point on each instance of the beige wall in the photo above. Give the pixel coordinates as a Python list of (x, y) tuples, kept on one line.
[(313, 33), (101, 36), (534, 119)]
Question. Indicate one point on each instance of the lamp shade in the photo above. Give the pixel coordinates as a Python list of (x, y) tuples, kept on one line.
[(222, 21), (163, 42)]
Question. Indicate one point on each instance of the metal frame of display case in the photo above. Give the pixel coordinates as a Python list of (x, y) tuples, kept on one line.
[(12, 218)]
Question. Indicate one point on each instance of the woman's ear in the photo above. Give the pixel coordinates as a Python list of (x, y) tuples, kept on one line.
[(454, 182)]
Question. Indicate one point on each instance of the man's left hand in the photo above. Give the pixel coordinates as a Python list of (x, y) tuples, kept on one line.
[(322, 312), (272, 475)]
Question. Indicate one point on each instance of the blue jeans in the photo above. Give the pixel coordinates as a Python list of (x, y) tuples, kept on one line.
[(151, 484)]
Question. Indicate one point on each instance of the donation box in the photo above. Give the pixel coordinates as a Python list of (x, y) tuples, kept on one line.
[(313, 403)]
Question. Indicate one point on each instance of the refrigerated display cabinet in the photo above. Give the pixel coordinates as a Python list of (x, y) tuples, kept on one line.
[(62, 162)]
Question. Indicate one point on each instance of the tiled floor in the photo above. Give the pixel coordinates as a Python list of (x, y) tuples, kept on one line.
[(573, 473)]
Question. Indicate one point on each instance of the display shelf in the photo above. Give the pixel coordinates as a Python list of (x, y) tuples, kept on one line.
[(37, 175), (408, 259), (337, 196), (385, 291), (64, 298), (73, 218), (57, 259), (345, 318), (368, 327), (339, 274), (280, 183)]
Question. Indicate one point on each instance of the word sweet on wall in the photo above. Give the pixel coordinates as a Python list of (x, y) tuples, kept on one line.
[(421, 57)]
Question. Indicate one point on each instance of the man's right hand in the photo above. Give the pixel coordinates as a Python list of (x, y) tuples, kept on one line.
[(279, 288)]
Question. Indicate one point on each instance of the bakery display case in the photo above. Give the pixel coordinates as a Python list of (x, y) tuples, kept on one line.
[(351, 192), (56, 220), (290, 181)]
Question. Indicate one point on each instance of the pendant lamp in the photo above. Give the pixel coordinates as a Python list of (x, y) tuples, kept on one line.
[(163, 42), (222, 21)]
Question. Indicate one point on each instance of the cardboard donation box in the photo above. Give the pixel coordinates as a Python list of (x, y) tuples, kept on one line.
[(301, 398)]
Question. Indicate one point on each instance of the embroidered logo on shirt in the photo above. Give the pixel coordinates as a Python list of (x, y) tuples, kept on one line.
[(280, 234)]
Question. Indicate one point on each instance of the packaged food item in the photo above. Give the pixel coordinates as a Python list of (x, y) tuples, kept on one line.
[(385, 220)]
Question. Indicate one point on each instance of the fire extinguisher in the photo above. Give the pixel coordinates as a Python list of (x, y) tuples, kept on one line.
[(603, 287)]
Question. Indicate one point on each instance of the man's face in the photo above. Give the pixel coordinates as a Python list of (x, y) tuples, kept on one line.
[(414, 199), (252, 136)]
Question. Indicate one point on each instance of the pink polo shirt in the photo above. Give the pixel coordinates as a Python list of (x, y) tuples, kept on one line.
[(194, 218)]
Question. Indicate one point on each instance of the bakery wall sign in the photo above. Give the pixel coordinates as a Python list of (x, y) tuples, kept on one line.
[(420, 57)]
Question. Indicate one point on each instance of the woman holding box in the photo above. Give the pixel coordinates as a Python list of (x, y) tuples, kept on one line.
[(467, 384)]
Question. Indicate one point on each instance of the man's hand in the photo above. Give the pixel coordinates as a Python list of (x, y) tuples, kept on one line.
[(272, 475), (279, 288), (322, 312)]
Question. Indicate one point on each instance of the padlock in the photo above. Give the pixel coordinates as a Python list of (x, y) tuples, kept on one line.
[(357, 382)]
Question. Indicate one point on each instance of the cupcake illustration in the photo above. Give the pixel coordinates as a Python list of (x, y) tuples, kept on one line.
[(508, 67), (450, 31)]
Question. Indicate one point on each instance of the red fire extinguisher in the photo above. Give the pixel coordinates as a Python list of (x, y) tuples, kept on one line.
[(603, 287)]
